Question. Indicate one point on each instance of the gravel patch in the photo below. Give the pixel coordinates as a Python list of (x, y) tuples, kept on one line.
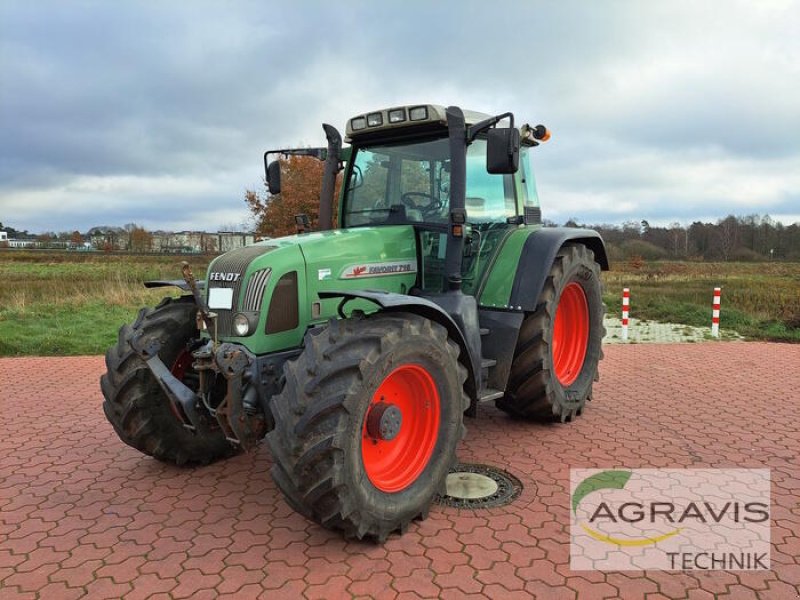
[(653, 332)]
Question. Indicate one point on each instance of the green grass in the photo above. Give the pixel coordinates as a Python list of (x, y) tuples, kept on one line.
[(70, 303), (59, 330), (759, 300)]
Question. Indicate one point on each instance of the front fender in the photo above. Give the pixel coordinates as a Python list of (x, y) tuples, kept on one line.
[(390, 301), (178, 283)]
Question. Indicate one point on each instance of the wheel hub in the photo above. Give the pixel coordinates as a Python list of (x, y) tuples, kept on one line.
[(383, 421)]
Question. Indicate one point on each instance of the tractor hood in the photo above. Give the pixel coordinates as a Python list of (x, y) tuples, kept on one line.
[(276, 282), (341, 254), (359, 253)]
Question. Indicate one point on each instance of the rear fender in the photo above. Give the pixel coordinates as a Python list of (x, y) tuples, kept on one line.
[(538, 254)]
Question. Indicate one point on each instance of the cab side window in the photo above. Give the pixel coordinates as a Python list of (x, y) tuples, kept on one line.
[(490, 198)]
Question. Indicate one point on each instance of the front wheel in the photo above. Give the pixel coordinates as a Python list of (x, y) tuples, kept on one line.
[(135, 404), (560, 343), (367, 425)]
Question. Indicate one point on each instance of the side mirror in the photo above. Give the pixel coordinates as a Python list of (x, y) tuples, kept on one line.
[(356, 178), (274, 177), (502, 150)]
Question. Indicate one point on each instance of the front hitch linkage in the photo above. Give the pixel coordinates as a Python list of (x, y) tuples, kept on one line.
[(231, 362), (183, 399)]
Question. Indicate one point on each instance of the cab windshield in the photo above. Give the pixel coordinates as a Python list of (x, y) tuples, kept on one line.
[(409, 182)]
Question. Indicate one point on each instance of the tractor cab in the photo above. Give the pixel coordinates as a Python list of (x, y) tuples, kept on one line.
[(399, 172), (402, 174), (406, 170)]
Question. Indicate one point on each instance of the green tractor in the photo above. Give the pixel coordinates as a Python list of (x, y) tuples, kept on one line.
[(357, 351)]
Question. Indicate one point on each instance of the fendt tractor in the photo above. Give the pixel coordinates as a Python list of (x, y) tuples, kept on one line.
[(357, 351)]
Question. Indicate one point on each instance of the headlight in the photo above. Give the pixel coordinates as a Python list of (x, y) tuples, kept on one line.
[(418, 113), (374, 119), (241, 325), (397, 115), (358, 123)]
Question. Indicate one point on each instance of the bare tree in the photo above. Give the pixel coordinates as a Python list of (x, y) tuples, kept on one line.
[(728, 233)]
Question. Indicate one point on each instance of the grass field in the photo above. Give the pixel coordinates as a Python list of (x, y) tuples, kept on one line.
[(759, 300), (70, 303)]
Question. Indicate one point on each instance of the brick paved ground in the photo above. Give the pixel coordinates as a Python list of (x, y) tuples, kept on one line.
[(83, 515)]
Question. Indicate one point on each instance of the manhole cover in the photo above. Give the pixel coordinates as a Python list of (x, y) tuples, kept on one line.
[(479, 486)]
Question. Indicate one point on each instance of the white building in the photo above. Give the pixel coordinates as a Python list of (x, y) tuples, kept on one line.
[(7, 242)]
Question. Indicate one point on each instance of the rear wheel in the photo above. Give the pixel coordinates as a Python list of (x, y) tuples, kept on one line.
[(367, 425), (559, 344), (136, 405)]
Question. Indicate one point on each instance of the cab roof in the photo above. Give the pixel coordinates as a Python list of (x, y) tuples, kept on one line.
[(409, 117)]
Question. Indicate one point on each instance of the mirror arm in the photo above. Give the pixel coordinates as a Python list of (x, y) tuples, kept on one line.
[(476, 129), (318, 153)]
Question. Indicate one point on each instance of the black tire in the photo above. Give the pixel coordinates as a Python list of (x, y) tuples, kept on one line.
[(136, 405), (534, 390), (320, 416)]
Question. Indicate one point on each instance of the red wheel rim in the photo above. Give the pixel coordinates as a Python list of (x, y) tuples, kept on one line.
[(570, 334), (181, 364), (393, 465)]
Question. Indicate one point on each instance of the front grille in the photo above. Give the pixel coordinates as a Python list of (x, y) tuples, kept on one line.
[(236, 261), (255, 290)]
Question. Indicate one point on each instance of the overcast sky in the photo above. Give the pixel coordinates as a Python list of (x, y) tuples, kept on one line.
[(158, 112)]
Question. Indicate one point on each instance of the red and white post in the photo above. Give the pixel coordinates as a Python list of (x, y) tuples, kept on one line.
[(715, 312), (626, 299)]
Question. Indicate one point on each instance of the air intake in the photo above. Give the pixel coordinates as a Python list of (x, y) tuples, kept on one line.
[(283, 313)]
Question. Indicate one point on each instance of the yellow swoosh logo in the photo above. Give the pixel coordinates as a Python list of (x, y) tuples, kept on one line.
[(623, 542)]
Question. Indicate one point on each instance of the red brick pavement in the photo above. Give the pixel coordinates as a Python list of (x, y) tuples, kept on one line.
[(82, 515)]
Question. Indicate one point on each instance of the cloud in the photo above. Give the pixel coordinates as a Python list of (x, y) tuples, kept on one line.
[(663, 184), (159, 113)]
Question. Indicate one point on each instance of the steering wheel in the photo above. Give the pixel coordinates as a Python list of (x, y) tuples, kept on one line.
[(431, 207)]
